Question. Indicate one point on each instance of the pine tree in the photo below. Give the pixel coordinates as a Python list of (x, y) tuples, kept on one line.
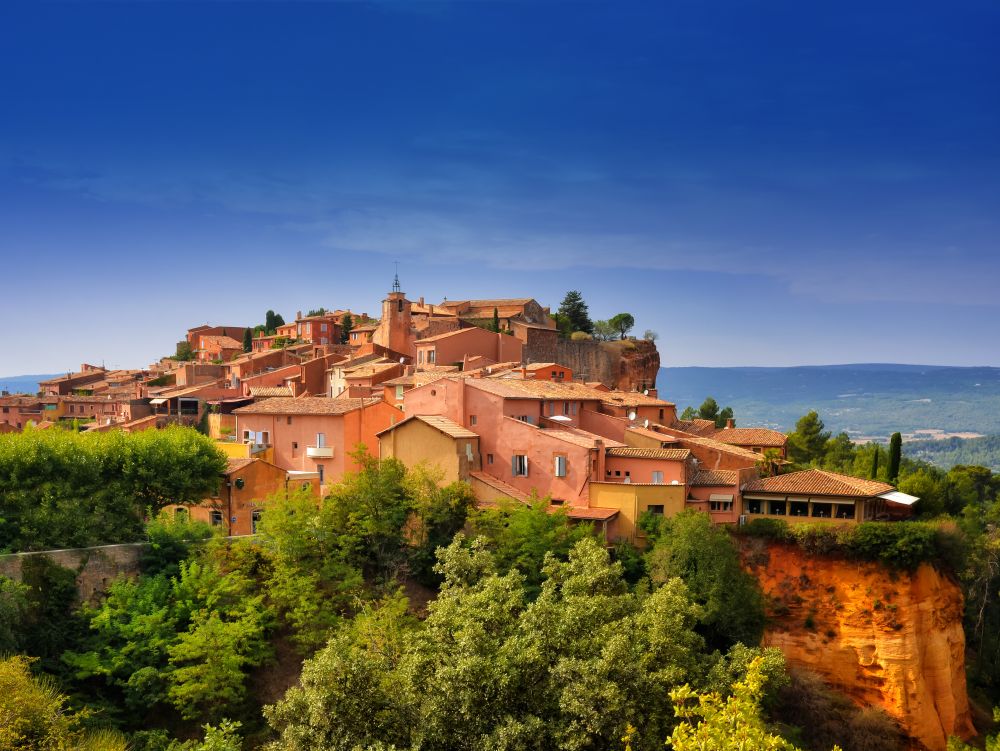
[(895, 455), (808, 442), (575, 310), (247, 340), (346, 324)]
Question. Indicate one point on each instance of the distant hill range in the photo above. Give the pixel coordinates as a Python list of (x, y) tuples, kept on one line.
[(24, 384), (866, 401)]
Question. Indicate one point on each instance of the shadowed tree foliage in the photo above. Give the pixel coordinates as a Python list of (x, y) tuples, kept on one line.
[(574, 310)]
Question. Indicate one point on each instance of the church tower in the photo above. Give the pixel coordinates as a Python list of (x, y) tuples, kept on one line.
[(395, 329)]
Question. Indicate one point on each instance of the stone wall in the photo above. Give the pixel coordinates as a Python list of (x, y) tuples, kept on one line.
[(95, 567), (630, 365)]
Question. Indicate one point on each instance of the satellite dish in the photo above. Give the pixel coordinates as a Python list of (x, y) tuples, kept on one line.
[(631, 415), (645, 392), (402, 360), (645, 423)]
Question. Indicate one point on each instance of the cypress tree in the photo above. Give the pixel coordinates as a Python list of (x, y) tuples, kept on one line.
[(874, 472), (247, 340), (346, 324), (496, 320), (895, 455)]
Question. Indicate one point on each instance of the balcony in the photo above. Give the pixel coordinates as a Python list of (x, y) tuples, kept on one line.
[(319, 452)]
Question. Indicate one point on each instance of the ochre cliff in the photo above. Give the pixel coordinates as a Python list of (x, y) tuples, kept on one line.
[(891, 640), (629, 365)]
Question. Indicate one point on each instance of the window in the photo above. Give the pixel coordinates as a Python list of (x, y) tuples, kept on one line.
[(777, 508), (288, 420), (565, 408), (572, 409), (557, 502), (180, 512), (845, 510), (489, 458), (215, 518), (799, 508), (656, 508), (322, 328), (822, 510), (519, 465), (560, 468), (420, 357), (472, 419), (661, 414), (399, 305), (552, 408), (525, 418), (265, 438), (254, 520), (295, 445), (399, 392), (432, 356), (721, 505), (755, 507), (657, 478), (320, 468), (321, 440)]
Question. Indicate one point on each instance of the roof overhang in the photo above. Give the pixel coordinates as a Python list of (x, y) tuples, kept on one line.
[(894, 496), (158, 400)]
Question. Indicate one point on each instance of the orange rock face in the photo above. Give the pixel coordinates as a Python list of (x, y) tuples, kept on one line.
[(891, 640)]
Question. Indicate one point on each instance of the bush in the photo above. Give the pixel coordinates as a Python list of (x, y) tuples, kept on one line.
[(903, 545), (580, 336)]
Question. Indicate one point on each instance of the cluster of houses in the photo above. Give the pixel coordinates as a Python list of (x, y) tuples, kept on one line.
[(453, 386)]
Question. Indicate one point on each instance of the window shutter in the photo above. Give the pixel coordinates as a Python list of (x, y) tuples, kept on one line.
[(525, 465), (513, 465)]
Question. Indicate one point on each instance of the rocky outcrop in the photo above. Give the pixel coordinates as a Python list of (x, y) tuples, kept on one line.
[(630, 365), (893, 640)]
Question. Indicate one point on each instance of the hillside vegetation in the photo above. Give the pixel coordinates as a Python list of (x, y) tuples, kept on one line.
[(949, 452)]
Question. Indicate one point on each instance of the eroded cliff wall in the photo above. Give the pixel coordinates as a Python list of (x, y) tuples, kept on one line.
[(892, 640), (630, 365)]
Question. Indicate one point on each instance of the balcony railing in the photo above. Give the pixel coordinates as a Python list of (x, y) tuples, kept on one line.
[(319, 452)]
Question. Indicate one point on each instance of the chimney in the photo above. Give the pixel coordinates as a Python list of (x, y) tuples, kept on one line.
[(420, 301), (730, 424), (524, 373), (298, 315)]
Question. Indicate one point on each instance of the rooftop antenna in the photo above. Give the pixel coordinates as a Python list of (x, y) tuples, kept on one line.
[(395, 280)]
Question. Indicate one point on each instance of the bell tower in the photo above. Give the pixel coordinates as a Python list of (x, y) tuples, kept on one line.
[(395, 329)]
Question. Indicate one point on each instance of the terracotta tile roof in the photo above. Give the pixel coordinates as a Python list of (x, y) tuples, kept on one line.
[(590, 512), (818, 482), (498, 303), (630, 452), (696, 426), (235, 464), (499, 485), (222, 342), (365, 327), (577, 437), (633, 399), (715, 477), (518, 389), (449, 335), (544, 366), (311, 405), (750, 437), (662, 437), (439, 422), (266, 392)]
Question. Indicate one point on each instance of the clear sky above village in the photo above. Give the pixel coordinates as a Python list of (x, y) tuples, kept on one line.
[(761, 183)]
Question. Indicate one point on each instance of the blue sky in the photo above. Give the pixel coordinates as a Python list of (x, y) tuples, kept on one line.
[(761, 183)]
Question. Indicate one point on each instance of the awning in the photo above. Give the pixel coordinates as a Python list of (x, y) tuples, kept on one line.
[(894, 496), (720, 497), (157, 401)]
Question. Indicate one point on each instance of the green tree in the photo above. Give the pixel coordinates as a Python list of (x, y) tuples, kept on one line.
[(725, 415), (438, 514), (170, 536), (808, 442), (272, 321), (183, 351), (575, 311), (247, 340), (873, 472), (34, 716), (496, 321), (689, 413), (604, 331), (709, 410), (346, 324), (701, 554), (622, 323), (650, 336), (733, 723), (13, 614), (895, 455), (488, 669)]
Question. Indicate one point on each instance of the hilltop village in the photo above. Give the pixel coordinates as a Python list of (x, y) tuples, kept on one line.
[(488, 391)]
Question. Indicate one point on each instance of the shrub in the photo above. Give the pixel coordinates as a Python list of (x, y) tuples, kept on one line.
[(580, 336)]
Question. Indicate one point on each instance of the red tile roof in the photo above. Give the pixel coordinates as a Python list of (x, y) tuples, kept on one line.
[(818, 482), (311, 405), (439, 422), (750, 437), (630, 452), (715, 477)]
